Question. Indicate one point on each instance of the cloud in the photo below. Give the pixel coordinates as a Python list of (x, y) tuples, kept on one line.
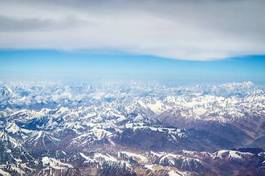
[(192, 29), (9, 24)]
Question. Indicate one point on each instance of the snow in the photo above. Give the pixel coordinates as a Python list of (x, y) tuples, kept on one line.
[(199, 111), (231, 154), (39, 135), (156, 107), (88, 159), (171, 159), (100, 133), (55, 164), (62, 110), (104, 157), (173, 173), (4, 173), (137, 157), (149, 166), (178, 173), (5, 137), (192, 102), (156, 154), (2, 134), (17, 169), (98, 95), (91, 136), (12, 128)]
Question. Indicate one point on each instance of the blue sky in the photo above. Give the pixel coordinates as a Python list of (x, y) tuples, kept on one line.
[(113, 65)]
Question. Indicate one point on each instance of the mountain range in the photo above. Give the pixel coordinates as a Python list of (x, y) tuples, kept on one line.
[(132, 129)]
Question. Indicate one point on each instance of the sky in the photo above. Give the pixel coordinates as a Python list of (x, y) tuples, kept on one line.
[(113, 65), (196, 40)]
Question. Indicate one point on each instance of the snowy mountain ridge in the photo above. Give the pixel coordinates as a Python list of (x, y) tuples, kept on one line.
[(57, 128)]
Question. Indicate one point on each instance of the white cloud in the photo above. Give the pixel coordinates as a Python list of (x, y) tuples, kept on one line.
[(197, 30)]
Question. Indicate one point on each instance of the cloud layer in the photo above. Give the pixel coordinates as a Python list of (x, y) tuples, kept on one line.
[(190, 29)]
